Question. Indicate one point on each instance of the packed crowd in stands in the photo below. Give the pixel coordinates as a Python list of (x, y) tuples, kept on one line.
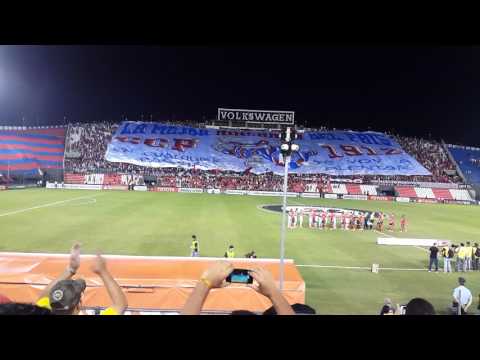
[(432, 156), (87, 144)]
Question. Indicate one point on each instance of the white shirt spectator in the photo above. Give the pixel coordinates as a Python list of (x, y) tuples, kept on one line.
[(462, 294)]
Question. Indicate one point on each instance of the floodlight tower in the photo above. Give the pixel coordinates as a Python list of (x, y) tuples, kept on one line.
[(287, 146)]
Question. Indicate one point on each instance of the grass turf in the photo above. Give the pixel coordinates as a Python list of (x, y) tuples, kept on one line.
[(138, 223)]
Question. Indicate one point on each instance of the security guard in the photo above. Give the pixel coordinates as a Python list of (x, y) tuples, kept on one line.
[(194, 247), (230, 252)]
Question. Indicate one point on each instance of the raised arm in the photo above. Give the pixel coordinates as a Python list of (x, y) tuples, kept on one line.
[(266, 286), (213, 277), (73, 265), (119, 300)]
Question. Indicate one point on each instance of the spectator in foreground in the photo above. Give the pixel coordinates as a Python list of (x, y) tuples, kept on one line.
[(12, 308), (462, 298), (416, 306), (4, 299), (63, 295), (214, 277), (299, 309), (419, 306), (387, 308)]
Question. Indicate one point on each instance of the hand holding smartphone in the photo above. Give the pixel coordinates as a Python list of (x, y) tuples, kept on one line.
[(240, 276)]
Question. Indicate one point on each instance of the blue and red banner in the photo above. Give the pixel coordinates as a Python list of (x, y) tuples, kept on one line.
[(329, 152), (28, 151)]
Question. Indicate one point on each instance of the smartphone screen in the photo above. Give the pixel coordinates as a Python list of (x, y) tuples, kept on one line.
[(240, 276)]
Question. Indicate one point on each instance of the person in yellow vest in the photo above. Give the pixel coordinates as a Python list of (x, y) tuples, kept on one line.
[(194, 247), (461, 258), (230, 252), (468, 257), (444, 253)]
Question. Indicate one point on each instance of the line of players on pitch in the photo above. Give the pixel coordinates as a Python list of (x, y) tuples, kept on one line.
[(322, 219)]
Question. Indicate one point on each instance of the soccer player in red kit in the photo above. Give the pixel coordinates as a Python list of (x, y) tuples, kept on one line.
[(291, 218), (324, 219), (362, 221), (391, 223), (380, 222), (403, 224), (331, 216), (343, 221)]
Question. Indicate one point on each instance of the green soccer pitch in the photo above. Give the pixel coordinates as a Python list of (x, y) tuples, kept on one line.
[(161, 224)]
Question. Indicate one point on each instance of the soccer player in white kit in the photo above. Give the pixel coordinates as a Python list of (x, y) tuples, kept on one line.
[(347, 221), (291, 218), (300, 217), (334, 222), (311, 218)]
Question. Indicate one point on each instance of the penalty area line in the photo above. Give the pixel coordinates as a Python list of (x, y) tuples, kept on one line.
[(48, 205)]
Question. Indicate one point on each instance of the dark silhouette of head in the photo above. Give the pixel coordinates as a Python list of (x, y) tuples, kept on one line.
[(299, 309), (418, 306)]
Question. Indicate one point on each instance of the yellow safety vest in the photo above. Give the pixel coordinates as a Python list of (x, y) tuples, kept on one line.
[(230, 254), (194, 245)]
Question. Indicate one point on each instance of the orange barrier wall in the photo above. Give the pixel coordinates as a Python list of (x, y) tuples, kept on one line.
[(149, 282)]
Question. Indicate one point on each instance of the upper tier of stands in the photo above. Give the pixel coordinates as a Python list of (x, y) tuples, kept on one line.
[(468, 159)]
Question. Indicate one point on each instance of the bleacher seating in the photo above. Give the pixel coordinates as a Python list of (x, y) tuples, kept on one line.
[(406, 191), (339, 189), (354, 189), (369, 189), (423, 193), (70, 178), (468, 159), (442, 194), (461, 194)]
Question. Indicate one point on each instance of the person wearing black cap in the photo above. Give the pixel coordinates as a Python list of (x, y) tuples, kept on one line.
[(461, 296), (63, 295)]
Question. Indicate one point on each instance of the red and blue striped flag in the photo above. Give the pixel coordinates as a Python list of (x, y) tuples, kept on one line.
[(30, 150)]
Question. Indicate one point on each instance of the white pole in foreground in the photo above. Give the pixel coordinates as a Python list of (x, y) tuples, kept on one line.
[(284, 223), (284, 211)]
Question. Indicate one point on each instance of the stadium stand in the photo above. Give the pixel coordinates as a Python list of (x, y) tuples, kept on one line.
[(442, 194), (468, 159), (86, 144), (354, 189), (406, 191), (461, 194), (432, 156), (339, 189), (424, 193), (368, 189)]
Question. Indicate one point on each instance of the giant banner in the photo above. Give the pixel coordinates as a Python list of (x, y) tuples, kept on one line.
[(330, 152)]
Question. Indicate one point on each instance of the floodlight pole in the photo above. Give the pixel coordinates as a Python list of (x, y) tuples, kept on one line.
[(284, 222)]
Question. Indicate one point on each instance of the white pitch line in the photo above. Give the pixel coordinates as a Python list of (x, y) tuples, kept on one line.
[(359, 267), (421, 248), (336, 267), (46, 205), (382, 233)]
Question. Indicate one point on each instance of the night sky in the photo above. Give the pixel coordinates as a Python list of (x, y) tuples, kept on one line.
[(414, 91)]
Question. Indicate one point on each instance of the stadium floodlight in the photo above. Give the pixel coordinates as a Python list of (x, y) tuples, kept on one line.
[(286, 149)]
